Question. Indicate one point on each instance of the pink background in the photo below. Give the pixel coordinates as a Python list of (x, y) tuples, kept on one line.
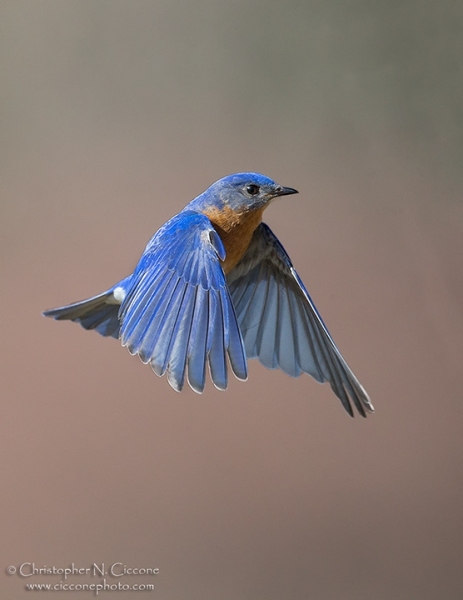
[(115, 114)]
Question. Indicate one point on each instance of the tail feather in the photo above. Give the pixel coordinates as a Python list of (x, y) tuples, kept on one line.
[(99, 313)]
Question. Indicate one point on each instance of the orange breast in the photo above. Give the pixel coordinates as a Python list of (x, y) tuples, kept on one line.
[(235, 230)]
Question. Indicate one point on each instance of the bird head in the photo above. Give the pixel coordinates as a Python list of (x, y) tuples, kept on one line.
[(243, 192)]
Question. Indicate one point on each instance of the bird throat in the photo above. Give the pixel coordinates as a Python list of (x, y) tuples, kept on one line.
[(235, 230)]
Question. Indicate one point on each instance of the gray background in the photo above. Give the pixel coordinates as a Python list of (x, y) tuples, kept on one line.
[(114, 115)]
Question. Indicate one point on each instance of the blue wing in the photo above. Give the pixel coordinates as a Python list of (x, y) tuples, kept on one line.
[(280, 324), (178, 315)]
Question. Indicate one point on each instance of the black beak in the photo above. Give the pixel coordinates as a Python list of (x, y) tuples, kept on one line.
[(286, 191)]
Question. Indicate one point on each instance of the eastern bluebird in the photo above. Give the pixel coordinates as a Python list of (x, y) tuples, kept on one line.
[(215, 281)]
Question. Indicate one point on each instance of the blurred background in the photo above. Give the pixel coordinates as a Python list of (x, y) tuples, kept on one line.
[(114, 115)]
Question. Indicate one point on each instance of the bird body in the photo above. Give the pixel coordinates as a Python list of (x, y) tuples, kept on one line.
[(214, 282)]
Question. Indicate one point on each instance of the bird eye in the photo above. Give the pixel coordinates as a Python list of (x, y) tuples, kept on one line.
[(252, 190)]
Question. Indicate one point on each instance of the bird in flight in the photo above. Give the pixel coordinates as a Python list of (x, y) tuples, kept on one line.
[(213, 282)]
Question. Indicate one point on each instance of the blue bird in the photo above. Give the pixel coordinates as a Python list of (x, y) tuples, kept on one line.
[(213, 282)]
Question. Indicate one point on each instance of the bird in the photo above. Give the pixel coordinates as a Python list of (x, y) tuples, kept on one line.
[(214, 288)]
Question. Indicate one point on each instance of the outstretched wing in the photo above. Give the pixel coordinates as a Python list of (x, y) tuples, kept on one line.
[(280, 324), (178, 315)]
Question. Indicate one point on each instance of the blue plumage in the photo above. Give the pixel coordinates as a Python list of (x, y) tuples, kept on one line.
[(215, 287)]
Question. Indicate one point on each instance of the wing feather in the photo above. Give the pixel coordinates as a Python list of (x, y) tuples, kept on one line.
[(281, 325), (197, 354), (146, 310), (216, 342)]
